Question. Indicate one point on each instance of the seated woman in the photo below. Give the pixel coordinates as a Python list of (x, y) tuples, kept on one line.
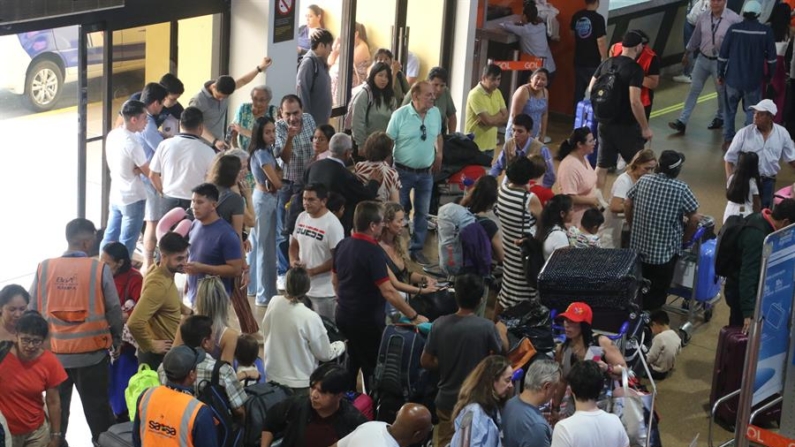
[(391, 240), (378, 153), (581, 345), (14, 300), (296, 340), (642, 163), (554, 223), (320, 140), (483, 395), (28, 372), (576, 176)]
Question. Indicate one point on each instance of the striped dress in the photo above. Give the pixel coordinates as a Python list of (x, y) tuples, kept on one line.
[(510, 204)]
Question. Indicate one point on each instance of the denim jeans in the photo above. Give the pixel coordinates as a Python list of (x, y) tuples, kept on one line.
[(124, 225), (251, 258), (766, 194), (264, 208), (702, 70), (283, 198), (691, 55), (733, 97), (422, 184)]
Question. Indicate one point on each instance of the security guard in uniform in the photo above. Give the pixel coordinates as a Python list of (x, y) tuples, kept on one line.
[(77, 296), (169, 415)]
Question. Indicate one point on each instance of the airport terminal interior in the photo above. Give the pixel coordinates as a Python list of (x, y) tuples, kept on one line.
[(55, 140)]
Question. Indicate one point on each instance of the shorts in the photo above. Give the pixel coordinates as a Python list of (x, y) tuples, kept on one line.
[(154, 203), (169, 203), (618, 139)]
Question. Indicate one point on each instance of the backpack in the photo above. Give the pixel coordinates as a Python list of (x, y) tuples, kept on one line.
[(261, 397), (607, 93), (398, 376), (141, 381), (476, 247), (348, 123), (727, 256), (212, 394), (451, 220), (361, 402)]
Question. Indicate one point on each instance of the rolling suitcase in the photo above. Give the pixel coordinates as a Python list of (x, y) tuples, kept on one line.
[(119, 435), (728, 375), (584, 117), (608, 280)]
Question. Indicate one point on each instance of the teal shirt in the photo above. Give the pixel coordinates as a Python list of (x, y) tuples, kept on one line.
[(405, 130)]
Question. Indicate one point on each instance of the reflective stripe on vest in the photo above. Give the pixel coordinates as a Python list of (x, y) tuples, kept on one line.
[(69, 295), (644, 60), (168, 406)]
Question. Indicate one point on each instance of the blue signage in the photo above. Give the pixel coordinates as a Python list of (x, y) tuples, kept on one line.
[(775, 307)]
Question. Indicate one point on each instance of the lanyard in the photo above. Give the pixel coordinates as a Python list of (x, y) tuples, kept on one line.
[(714, 30)]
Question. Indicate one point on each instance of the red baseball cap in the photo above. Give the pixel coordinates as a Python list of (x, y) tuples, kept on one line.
[(578, 313)]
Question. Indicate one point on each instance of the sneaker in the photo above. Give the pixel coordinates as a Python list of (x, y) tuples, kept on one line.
[(678, 126), (621, 165), (683, 78), (281, 281), (716, 123), (420, 258), (431, 225), (547, 139), (259, 304)]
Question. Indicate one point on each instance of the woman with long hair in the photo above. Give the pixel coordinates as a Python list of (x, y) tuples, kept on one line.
[(361, 59), (373, 104), (582, 344), (377, 152), (532, 99), (14, 300), (483, 394), (644, 162), (553, 224), (742, 189), (320, 140), (576, 176), (268, 180), (296, 340), (532, 33), (30, 371), (213, 301), (518, 210), (314, 20), (394, 245)]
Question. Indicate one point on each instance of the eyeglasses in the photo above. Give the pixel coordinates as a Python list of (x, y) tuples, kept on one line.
[(34, 342), (424, 131)]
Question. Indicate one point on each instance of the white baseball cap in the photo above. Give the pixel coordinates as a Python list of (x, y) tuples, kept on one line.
[(753, 7), (766, 105)]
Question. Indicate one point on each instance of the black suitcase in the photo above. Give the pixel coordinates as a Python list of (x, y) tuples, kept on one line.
[(608, 280), (119, 435)]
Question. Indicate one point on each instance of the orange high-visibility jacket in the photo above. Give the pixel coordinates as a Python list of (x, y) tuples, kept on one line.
[(167, 417), (69, 295)]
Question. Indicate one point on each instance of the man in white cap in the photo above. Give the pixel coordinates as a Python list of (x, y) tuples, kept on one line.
[(770, 141), (747, 47)]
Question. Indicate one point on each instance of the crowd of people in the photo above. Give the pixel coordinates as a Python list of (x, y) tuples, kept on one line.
[(277, 205)]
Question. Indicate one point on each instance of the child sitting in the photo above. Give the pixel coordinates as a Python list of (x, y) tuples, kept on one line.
[(586, 235), (248, 364), (664, 347)]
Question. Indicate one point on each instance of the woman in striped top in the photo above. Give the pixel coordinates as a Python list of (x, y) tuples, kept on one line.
[(518, 210)]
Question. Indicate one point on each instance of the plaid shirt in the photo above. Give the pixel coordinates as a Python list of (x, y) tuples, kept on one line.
[(659, 203), (302, 147), (227, 377)]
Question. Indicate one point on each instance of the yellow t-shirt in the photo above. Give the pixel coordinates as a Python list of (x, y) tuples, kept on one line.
[(479, 101)]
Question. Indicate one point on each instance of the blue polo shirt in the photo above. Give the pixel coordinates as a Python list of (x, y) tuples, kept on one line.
[(405, 130), (360, 266)]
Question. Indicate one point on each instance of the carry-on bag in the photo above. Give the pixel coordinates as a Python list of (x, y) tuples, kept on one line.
[(119, 435), (610, 281), (398, 376)]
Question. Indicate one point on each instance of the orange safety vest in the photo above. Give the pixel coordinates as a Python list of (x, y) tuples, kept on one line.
[(644, 60), (69, 295), (171, 421)]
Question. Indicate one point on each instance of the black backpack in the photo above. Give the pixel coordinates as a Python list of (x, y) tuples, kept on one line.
[(607, 93), (261, 398), (727, 257), (212, 394)]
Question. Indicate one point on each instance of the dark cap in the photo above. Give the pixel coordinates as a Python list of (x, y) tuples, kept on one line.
[(631, 39), (670, 160), (180, 361)]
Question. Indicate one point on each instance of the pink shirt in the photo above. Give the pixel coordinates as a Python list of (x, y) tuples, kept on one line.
[(577, 178)]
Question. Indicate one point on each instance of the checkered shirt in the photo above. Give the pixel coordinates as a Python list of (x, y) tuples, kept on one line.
[(659, 204), (302, 147), (227, 378)]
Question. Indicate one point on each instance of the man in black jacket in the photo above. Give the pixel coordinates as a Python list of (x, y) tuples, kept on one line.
[(320, 420), (332, 172)]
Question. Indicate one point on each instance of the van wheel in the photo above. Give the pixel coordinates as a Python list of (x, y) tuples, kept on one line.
[(43, 85)]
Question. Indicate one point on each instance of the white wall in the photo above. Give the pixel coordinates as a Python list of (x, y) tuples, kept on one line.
[(463, 48), (251, 39)]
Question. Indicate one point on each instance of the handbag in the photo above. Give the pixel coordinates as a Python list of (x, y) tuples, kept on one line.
[(631, 406), (435, 304), (532, 251), (521, 353)]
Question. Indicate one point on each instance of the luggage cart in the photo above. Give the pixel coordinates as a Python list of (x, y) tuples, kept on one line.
[(695, 282)]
